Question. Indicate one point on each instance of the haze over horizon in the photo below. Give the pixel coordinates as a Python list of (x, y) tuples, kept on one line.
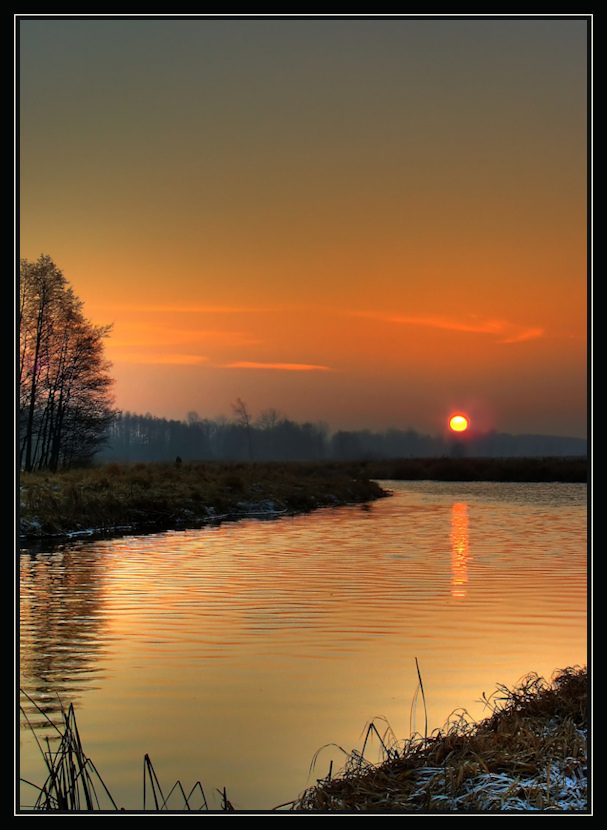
[(367, 222)]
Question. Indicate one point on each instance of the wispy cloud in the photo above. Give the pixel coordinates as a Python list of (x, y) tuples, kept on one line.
[(160, 359), (170, 308), (503, 330), (143, 334), (207, 309), (523, 334), (288, 367)]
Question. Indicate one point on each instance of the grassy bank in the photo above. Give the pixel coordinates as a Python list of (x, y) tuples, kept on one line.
[(118, 497), (530, 755), (142, 496)]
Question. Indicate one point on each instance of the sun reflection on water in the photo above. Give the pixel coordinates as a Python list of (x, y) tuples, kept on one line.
[(460, 553)]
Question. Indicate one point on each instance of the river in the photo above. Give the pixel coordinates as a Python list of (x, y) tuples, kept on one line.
[(252, 655)]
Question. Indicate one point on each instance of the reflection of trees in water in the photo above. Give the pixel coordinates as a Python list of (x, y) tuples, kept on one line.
[(61, 593), (460, 555)]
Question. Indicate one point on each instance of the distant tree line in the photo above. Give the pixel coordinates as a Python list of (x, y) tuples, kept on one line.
[(66, 414), (272, 437), (133, 437), (65, 400)]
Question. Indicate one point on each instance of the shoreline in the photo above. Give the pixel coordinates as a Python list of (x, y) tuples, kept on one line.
[(146, 498), (529, 756), (122, 498)]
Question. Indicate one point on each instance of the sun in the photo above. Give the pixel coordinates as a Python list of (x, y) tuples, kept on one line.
[(459, 423)]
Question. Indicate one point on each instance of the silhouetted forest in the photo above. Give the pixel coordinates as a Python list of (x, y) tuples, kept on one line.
[(134, 438)]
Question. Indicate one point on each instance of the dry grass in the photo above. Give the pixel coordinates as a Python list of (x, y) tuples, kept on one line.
[(146, 496), (150, 496), (529, 755)]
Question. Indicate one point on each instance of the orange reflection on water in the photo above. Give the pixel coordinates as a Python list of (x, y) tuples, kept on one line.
[(460, 555)]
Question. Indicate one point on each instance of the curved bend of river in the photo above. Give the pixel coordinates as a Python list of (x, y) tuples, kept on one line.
[(232, 654)]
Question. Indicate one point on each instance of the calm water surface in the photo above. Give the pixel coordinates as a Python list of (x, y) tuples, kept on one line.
[(232, 654)]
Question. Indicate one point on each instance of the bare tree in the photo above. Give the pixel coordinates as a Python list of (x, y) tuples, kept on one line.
[(64, 386), (269, 419), (245, 421)]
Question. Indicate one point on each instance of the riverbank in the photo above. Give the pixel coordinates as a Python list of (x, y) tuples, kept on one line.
[(115, 498), (530, 755), (572, 470), (118, 498)]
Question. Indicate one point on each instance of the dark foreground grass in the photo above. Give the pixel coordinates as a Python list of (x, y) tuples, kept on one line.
[(529, 755), (74, 785)]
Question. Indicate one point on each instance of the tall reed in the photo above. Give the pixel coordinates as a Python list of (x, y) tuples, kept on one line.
[(73, 783)]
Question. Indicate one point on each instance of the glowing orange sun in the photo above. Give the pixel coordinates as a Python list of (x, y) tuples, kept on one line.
[(458, 423)]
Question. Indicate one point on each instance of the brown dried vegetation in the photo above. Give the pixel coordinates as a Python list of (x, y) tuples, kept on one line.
[(529, 755), (127, 497)]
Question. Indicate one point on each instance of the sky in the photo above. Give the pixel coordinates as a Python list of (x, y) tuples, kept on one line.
[(368, 222)]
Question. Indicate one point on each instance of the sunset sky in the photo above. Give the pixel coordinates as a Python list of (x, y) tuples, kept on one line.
[(366, 222)]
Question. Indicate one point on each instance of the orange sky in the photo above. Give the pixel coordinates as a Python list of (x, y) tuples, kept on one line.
[(362, 222)]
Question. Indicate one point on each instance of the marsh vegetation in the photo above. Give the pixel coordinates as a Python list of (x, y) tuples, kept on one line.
[(141, 496), (529, 755)]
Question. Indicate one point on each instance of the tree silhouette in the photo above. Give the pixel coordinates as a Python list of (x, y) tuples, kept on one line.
[(65, 401), (244, 420)]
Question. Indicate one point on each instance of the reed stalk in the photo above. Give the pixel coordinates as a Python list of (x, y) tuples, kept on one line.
[(529, 755)]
